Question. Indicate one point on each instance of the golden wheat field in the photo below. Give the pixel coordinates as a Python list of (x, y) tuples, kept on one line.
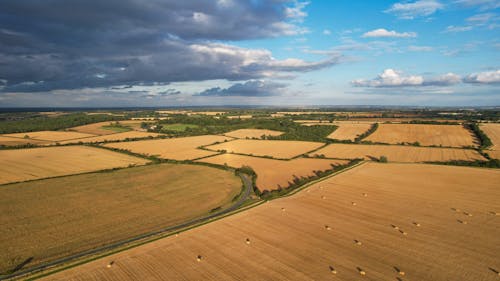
[(252, 133), (97, 128), (114, 137), (273, 148), (398, 153), (174, 148), (36, 163), (445, 135), (271, 173), (55, 136), (349, 131), (373, 222), (492, 130), (13, 141), (53, 218)]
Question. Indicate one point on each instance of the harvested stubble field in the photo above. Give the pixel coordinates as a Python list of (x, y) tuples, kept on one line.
[(12, 141), (52, 218), (97, 128), (271, 173), (274, 148), (252, 133), (114, 137), (312, 233), (398, 153), (445, 135), (36, 163), (349, 131), (492, 130), (175, 148), (55, 136)]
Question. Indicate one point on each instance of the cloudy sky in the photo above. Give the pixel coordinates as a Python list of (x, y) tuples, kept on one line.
[(249, 52)]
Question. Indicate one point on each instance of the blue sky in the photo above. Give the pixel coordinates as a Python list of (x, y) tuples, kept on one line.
[(228, 52)]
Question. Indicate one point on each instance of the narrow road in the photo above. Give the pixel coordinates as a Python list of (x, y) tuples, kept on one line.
[(247, 182)]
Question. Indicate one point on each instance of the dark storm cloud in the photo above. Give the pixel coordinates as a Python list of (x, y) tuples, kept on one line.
[(253, 88), (55, 44)]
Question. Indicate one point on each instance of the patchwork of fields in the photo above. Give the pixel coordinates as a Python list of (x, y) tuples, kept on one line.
[(54, 136), (374, 222), (273, 148), (36, 163), (427, 135), (398, 153), (52, 218), (271, 173), (175, 148)]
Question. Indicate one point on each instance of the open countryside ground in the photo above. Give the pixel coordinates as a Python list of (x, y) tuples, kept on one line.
[(349, 131), (445, 135), (13, 141), (252, 133), (274, 148), (55, 136), (398, 153), (36, 163), (492, 130), (114, 137), (273, 173), (309, 234), (175, 148), (100, 127), (82, 212)]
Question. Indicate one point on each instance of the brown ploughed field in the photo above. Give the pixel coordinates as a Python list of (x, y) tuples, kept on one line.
[(398, 153), (271, 173), (445, 135), (373, 222), (53, 218), (252, 133), (273, 148), (349, 131), (36, 163), (175, 148)]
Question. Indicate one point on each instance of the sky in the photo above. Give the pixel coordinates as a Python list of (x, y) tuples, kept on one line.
[(160, 53)]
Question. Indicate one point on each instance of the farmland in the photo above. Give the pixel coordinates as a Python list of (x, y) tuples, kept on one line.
[(12, 141), (114, 137), (82, 212), (445, 229), (54, 136), (252, 133), (273, 148), (271, 173), (100, 128), (36, 163), (349, 131), (427, 135), (398, 153), (175, 148), (492, 130)]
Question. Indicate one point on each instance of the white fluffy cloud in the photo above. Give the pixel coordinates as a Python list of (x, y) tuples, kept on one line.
[(412, 10), (487, 77), (382, 32), (420, 48), (394, 78)]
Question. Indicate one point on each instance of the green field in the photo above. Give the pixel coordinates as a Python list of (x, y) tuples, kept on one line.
[(53, 218), (178, 127), (117, 128)]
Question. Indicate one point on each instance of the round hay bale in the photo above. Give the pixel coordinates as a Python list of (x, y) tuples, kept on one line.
[(327, 227), (416, 224), (365, 195), (283, 209), (357, 242), (353, 203), (323, 197), (247, 241), (198, 258), (108, 266)]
